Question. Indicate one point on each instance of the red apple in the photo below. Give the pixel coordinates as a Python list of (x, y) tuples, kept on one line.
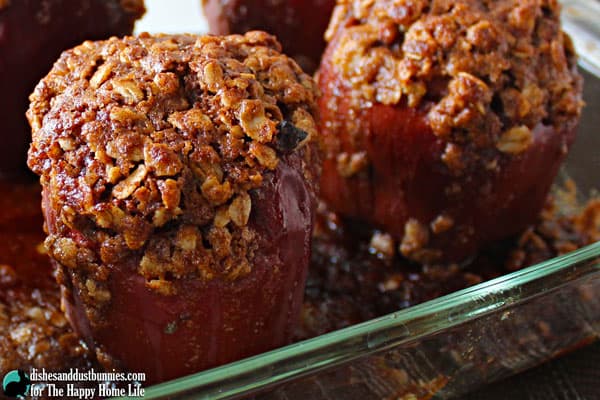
[(179, 196), (33, 33), (298, 24), (424, 141)]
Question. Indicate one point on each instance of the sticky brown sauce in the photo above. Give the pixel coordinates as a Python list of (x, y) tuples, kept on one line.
[(34, 333)]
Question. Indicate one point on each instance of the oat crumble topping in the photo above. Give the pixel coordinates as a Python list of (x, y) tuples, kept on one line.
[(486, 72), (150, 146)]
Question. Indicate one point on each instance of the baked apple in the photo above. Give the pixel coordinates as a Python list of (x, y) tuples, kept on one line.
[(298, 24), (445, 122), (179, 176), (33, 33)]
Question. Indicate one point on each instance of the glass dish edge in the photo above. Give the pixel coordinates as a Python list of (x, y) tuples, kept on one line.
[(328, 348)]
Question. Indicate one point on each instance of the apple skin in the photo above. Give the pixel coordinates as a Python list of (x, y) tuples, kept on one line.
[(207, 323), (298, 24), (406, 178)]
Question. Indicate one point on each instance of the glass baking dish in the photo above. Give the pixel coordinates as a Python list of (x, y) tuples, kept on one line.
[(453, 344)]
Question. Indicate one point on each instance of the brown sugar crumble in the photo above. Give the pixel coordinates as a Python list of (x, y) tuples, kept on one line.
[(155, 143), (486, 72)]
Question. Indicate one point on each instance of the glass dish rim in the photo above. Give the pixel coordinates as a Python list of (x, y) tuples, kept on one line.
[(499, 286)]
